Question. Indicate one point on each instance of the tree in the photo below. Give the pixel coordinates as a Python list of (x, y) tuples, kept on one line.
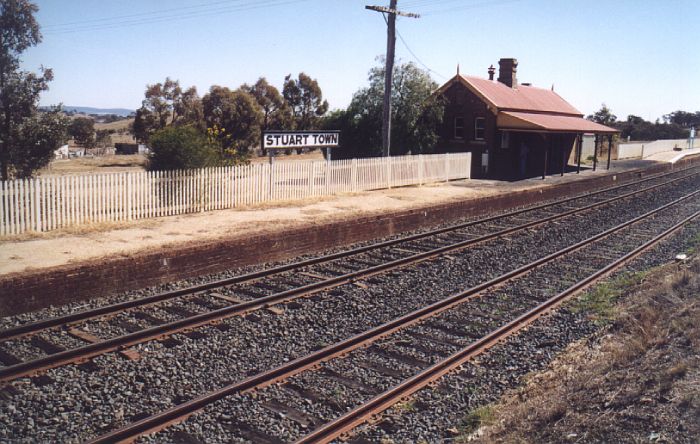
[(305, 100), (603, 116), (82, 129), (181, 147), (276, 113), (636, 128), (144, 125), (103, 138), (416, 114), (27, 139), (38, 136), (683, 118), (166, 104), (234, 120), (188, 109)]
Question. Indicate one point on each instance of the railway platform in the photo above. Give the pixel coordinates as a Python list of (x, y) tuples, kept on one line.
[(111, 259)]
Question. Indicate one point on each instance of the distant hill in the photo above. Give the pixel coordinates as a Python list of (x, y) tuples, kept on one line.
[(90, 110)]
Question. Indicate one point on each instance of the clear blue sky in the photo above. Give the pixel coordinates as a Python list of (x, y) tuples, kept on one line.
[(638, 56)]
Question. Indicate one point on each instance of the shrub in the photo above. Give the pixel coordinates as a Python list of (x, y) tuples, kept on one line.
[(184, 147)]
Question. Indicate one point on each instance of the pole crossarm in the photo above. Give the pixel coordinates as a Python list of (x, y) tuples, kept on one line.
[(392, 11)]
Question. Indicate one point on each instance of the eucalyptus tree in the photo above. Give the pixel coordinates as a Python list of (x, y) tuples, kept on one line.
[(27, 137), (305, 99)]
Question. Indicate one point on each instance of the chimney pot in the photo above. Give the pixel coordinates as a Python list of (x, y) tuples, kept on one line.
[(507, 69), (492, 71)]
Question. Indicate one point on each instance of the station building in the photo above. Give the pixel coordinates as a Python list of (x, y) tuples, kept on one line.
[(513, 130)]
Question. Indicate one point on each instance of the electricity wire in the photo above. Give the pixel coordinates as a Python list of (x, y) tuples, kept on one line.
[(427, 68), (429, 4), (139, 20), (140, 14)]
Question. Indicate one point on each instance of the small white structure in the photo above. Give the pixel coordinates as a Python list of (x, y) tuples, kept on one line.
[(61, 153), (143, 149), (76, 152)]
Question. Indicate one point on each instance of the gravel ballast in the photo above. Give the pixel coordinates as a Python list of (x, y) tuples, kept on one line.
[(74, 403)]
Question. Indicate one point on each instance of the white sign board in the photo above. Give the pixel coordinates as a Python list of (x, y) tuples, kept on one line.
[(300, 139)]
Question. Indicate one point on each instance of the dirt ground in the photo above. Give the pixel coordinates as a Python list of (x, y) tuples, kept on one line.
[(639, 383)]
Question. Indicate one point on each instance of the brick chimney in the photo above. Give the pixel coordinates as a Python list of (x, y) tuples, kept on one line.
[(507, 68)]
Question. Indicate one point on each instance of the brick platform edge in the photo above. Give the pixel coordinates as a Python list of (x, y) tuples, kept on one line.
[(28, 291)]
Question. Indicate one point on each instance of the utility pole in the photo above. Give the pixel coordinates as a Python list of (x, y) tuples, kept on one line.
[(389, 69)]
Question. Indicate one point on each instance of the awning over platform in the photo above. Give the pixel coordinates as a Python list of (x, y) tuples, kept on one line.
[(539, 122)]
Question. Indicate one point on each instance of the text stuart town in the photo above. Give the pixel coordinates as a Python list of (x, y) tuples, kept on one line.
[(283, 140)]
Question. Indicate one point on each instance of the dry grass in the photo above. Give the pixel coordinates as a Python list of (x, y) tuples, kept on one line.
[(640, 383), (80, 230), (106, 164), (118, 125), (121, 128), (122, 138), (313, 155), (133, 162)]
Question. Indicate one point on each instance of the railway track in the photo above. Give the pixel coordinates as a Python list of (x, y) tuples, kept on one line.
[(63, 340), (320, 396)]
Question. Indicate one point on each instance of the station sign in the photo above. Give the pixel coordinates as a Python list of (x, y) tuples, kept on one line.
[(299, 139)]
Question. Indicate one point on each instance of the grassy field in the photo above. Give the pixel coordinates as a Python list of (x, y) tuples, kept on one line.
[(117, 126), (106, 164), (134, 162), (124, 137)]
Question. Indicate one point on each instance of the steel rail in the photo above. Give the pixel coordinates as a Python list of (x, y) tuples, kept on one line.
[(383, 401), (35, 327), (181, 411), (80, 354)]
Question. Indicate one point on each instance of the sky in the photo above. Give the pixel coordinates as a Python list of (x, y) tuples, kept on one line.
[(636, 56)]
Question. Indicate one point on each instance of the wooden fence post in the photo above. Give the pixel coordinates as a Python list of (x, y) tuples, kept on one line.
[(129, 191), (354, 175), (388, 171), (37, 205), (420, 169), (447, 167)]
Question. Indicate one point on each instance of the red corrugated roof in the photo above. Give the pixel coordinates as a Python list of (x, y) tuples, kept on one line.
[(549, 122), (525, 98)]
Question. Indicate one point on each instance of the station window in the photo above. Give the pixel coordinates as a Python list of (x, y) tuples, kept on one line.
[(505, 140), (459, 127), (479, 128)]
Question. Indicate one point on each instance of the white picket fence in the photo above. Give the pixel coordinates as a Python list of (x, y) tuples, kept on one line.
[(51, 202), (641, 150)]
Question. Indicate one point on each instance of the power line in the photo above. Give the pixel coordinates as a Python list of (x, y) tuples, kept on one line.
[(413, 53), (416, 57), (463, 7), (420, 3), (140, 14), (171, 17)]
